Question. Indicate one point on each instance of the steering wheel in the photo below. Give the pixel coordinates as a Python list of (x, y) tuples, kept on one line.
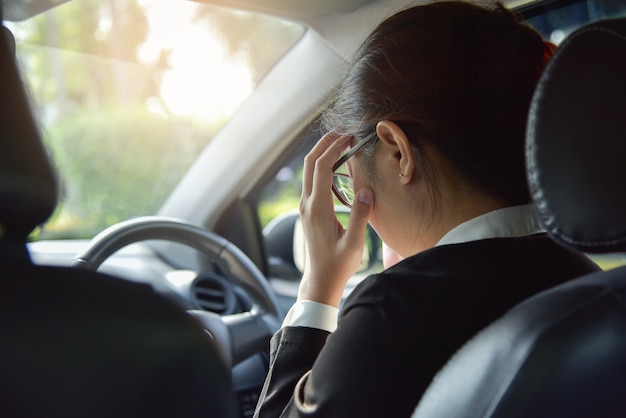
[(237, 336)]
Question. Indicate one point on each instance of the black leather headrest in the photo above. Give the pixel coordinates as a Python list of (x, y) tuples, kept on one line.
[(576, 140), (28, 188)]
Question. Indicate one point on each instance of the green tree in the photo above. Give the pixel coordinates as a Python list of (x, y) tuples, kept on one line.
[(132, 161)]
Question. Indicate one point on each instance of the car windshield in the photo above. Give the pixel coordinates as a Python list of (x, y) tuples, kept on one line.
[(128, 92)]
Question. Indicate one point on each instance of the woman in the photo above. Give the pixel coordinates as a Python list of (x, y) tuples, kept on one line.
[(433, 111)]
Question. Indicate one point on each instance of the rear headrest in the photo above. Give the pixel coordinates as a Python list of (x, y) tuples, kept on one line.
[(576, 140), (28, 189)]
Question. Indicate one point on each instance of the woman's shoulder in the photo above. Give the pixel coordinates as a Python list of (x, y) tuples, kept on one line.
[(533, 252), (433, 277)]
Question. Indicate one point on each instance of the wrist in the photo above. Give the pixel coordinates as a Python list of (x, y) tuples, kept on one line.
[(325, 293)]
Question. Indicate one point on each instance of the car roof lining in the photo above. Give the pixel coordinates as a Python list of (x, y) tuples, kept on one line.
[(16, 10)]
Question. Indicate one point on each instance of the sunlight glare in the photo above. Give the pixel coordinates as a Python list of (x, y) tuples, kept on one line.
[(203, 80)]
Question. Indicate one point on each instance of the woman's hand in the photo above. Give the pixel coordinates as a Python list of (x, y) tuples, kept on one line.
[(333, 253)]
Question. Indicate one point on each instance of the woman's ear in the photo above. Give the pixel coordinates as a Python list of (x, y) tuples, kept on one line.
[(398, 148)]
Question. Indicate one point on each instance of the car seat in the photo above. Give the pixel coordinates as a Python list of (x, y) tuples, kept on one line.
[(561, 353), (77, 343)]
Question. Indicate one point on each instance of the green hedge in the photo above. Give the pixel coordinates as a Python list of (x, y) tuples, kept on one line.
[(117, 164)]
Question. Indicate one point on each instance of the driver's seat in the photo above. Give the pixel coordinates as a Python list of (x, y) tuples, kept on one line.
[(75, 343), (563, 352)]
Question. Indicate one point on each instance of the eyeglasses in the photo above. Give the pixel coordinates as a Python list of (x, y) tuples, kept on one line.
[(342, 182)]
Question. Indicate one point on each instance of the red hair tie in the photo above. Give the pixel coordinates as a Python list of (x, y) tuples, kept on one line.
[(548, 50)]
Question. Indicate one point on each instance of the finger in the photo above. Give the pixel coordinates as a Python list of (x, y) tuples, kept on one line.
[(359, 217), (311, 158), (323, 173), (309, 162)]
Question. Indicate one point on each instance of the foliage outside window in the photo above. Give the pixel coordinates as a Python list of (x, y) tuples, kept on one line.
[(128, 93)]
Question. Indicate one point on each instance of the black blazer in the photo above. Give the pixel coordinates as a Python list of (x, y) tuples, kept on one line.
[(399, 327)]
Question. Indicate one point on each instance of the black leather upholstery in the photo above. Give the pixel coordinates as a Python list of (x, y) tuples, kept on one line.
[(28, 189), (561, 353), (76, 343), (577, 140)]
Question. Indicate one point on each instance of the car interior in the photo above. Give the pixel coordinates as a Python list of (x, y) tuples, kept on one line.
[(76, 342), (149, 230)]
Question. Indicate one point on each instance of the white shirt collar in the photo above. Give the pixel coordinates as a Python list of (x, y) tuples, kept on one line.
[(514, 221)]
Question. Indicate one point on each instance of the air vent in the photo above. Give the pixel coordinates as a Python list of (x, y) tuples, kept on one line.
[(213, 293)]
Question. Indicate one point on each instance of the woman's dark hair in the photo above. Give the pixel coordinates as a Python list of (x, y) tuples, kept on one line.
[(455, 75)]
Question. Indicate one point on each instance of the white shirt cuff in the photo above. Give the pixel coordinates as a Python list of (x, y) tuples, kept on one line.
[(307, 313)]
